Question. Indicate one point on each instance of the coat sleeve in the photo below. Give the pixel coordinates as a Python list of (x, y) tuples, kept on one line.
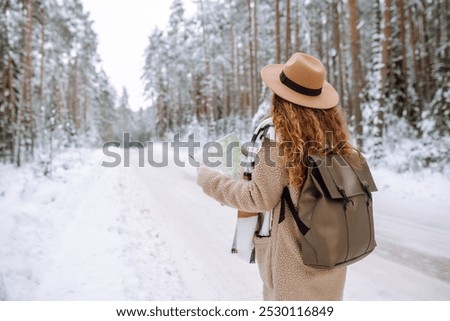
[(260, 194)]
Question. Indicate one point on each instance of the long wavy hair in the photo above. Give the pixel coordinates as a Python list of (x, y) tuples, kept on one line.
[(306, 131)]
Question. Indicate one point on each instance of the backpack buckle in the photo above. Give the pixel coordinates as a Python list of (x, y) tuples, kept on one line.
[(345, 197)]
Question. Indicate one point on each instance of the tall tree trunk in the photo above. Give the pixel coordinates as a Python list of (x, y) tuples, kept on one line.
[(24, 123), (403, 60), (68, 110), (324, 46), (239, 93), (224, 98), (42, 62), (245, 92), (256, 77), (438, 22), (288, 30), (337, 44), (386, 51), (85, 103), (42, 104), (427, 60), (415, 78), (319, 45), (213, 101), (12, 103), (297, 27), (277, 33), (346, 73), (358, 79), (233, 77), (252, 56), (445, 38), (59, 97), (376, 97), (75, 105)]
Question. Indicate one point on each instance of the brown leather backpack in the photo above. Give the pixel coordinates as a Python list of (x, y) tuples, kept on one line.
[(334, 213)]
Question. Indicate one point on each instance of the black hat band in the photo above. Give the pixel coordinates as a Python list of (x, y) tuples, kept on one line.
[(299, 88)]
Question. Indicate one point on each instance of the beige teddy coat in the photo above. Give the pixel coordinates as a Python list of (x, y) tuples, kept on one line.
[(279, 256)]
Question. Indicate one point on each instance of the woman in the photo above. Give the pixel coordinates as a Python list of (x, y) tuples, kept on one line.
[(307, 119)]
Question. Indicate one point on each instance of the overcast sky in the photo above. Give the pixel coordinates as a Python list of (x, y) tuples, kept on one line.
[(123, 27)]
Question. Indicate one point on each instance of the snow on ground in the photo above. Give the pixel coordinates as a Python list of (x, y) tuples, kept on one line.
[(146, 233), (85, 234), (412, 260)]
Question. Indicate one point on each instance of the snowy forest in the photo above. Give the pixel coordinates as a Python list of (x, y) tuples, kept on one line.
[(54, 94), (388, 59)]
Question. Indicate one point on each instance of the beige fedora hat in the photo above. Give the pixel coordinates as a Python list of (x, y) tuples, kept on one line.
[(301, 81)]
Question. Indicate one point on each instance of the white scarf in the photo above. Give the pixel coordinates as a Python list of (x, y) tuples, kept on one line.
[(246, 227)]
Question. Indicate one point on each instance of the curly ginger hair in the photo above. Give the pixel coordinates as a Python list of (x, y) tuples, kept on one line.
[(306, 131)]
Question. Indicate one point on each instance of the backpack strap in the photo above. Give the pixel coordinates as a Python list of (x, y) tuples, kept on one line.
[(286, 198)]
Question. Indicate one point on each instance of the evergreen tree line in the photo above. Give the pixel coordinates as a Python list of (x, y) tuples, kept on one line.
[(388, 59), (52, 92)]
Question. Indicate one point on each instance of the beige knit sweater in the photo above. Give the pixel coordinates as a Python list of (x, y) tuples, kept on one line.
[(279, 256)]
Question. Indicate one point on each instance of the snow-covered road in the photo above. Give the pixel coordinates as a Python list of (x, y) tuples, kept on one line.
[(146, 233), (412, 261), (198, 232)]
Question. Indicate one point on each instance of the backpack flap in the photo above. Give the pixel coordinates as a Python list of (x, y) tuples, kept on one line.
[(339, 178), (337, 211)]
